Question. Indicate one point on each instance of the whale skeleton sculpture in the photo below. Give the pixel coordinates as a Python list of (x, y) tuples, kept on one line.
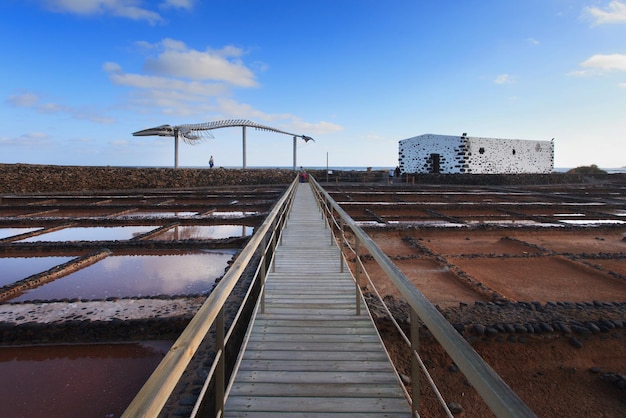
[(194, 133)]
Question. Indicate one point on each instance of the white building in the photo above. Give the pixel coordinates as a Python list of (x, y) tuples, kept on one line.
[(463, 154)]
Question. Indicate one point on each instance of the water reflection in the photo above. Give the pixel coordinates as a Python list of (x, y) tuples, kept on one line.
[(232, 214), (71, 213), (204, 232), (148, 214), (79, 381), (13, 269), (138, 275), (593, 221), (11, 232), (100, 233)]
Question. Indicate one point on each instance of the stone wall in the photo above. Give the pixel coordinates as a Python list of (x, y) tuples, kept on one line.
[(491, 155), (414, 155), (462, 154)]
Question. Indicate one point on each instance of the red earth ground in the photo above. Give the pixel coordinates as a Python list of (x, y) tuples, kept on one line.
[(552, 376)]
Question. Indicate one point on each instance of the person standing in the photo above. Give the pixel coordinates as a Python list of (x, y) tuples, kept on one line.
[(211, 162)]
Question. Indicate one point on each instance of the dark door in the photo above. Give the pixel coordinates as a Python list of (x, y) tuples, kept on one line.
[(434, 159)]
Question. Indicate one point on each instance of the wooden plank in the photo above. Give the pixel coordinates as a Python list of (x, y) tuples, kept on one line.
[(279, 414), (294, 321), (313, 365), (323, 338), (315, 390), (312, 346), (315, 404), (316, 377), (314, 355), (320, 330), (315, 312)]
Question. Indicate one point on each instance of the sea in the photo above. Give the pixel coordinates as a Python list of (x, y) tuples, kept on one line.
[(621, 170), (306, 167)]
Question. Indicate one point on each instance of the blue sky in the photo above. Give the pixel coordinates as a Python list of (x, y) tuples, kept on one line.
[(79, 76)]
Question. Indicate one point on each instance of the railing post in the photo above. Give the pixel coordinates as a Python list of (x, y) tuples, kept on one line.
[(220, 370), (279, 227), (357, 275), (263, 276), (343, 237), (331, 223), (274, 239), (415, 384), (273, 248)]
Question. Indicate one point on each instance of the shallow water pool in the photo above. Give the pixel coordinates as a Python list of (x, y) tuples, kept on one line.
[(182, 273), (96, 233), (79, 381), (13, 269)]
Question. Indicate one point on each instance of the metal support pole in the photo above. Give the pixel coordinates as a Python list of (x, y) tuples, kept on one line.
[(294, 153), (245, 165), (415, 368)]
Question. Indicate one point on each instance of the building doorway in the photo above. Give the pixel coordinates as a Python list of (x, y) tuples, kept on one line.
[(434, 163)]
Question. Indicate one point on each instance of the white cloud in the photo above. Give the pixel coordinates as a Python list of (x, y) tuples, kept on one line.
[(181, 81), (232, 109), (120, 8), (33, 101), (176, 60), (606, 62), (532, 41), (579, 73), (504, 79), (27, 140), (140, 81), (25, 99), (615, 13), (181, 4), (321, 127)]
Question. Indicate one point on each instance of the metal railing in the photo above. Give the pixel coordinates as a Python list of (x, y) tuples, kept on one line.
[(153, 396), (498, 396)]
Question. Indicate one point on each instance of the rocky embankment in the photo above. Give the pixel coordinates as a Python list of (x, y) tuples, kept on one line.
[(33, 178), (518, 319), (27, 178), (519, 322)]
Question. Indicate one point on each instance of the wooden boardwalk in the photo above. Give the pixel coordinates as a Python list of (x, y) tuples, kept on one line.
[(309, 354)]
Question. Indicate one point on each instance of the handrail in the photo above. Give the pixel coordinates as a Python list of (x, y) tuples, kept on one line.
[(500, 398), (150, 400), (407, 339)]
